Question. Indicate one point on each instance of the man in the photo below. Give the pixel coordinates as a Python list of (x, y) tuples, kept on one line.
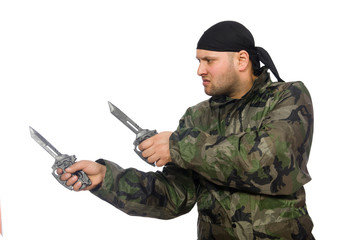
[(241, 155)]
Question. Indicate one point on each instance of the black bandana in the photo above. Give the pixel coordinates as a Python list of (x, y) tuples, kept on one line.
[(230, 36)]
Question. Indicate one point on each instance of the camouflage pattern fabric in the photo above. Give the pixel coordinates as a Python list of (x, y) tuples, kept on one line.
[(243, 161)]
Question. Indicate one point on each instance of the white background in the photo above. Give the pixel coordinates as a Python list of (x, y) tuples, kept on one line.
[(62, 61)]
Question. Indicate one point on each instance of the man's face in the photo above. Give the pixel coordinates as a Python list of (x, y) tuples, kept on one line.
[(218, 72)]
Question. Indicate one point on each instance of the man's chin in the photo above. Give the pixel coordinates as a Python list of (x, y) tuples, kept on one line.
[(208, 93)]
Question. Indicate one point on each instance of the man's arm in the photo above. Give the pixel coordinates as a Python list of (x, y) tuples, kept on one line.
[(270, 159), (164, 195)]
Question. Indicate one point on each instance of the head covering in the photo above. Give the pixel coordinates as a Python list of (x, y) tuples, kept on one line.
[(230, 36)]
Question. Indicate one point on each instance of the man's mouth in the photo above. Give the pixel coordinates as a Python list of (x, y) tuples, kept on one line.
[(205, 82)]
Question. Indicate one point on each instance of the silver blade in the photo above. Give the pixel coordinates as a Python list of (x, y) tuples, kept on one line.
[(44, 143), (124, 118)]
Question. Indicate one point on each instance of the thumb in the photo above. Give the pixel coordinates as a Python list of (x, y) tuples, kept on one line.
[(77, 166)]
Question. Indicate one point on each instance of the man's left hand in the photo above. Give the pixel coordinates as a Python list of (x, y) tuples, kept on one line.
[(156, 149)]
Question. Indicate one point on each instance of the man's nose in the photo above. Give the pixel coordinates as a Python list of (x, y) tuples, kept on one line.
[(201, 70)]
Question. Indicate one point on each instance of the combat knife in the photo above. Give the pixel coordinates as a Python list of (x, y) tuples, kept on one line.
[(62, 161), (141, 134)]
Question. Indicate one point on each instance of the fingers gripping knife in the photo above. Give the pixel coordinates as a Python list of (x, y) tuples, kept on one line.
[(141, 134), (62, 161)]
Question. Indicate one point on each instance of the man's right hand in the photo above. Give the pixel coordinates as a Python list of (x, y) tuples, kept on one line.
[(95, 172)]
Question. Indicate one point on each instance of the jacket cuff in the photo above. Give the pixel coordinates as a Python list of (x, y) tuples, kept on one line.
[(108, 181), (175, 151)]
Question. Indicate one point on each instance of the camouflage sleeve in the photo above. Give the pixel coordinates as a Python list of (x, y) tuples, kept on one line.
[(268, 159), (163, 195)]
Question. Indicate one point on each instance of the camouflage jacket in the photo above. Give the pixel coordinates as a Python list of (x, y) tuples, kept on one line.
[(243, 161)]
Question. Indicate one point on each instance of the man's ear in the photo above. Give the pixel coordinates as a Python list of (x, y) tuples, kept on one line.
[(243, 60)]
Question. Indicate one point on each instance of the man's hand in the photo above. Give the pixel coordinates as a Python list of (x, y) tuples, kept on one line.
[(95, 172), (156, 149)]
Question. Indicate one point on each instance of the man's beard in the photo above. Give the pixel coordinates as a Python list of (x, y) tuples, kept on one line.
[(227, 87)]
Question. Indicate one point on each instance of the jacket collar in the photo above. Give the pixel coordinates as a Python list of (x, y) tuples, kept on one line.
[(261, 81)]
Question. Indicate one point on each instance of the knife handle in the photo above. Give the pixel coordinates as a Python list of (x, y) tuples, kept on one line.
[(63, 162), (140, 137)]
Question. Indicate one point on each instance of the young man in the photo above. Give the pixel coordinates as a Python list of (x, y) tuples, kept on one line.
[(241, 155)]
